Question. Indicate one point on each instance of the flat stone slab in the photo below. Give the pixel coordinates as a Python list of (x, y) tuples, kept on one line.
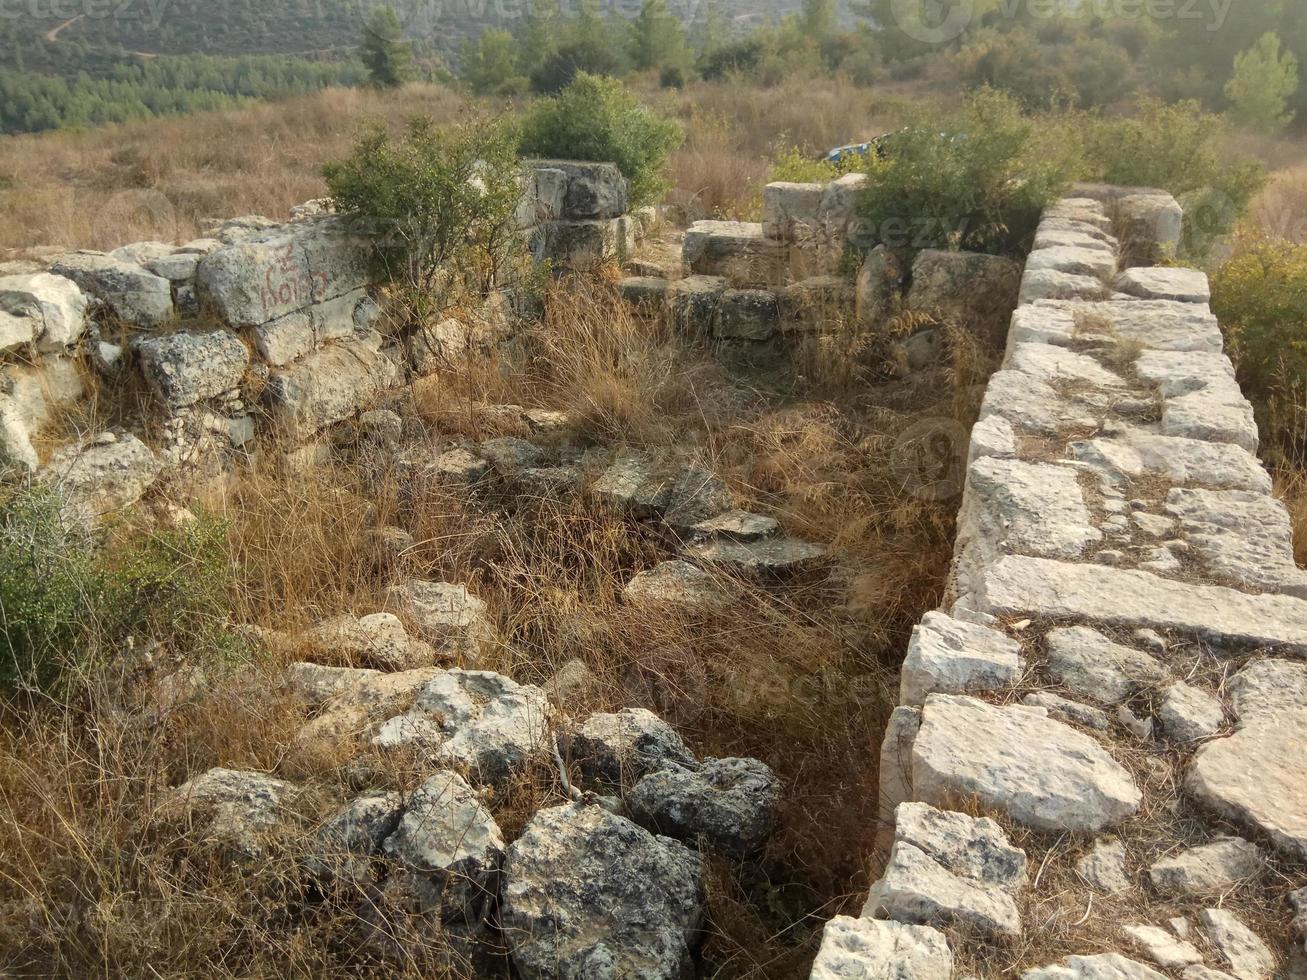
[(1161, 282), (677, 583), (772, 556), (950, 656), (1213, 867), (1103, 966), (971, 847), (1241, 536), (1042, 773), (1025, 508), (1133, 453), (1096, 262), (1157, 324), (1255, 778), (1267, 689), (869, 949), (1019, 586)]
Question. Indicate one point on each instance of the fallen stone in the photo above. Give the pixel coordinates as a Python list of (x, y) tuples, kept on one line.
[(571, 681), (47, 310), (644, 291), (1188, 713), (589, 894), (867, 949), (634, 482), (677, 583), (738, 249), (347, 844), (135, 296), (1208, 868), (1021, 586), (965, 287), (1248, 957), (729, 803), (1094, 667), (773, 556), (1102, 966), (877, 286), (696, 495), (239, 812), (916, 888), (480, 722), (1139, 727), (101, 478), (176, 267), (617, 750), (509, 455), (449, 851), (1104, 867), (747, 314), (184, 368), (948, 656), (738, 525), (447, 616), (1163, 948), (1040, 772), (895, 768), (459, 467), (378, 640), (693, 303), (1268, 689)]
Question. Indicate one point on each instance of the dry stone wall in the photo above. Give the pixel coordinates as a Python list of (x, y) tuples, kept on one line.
[(1097, 767)]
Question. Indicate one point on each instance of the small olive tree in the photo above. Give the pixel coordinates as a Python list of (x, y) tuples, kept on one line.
[(438, 205)]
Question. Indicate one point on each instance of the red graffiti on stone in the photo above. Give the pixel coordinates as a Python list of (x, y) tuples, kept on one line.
[(286, 282)]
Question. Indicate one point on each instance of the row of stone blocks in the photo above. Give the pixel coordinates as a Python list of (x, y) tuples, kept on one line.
[(1120, 661)]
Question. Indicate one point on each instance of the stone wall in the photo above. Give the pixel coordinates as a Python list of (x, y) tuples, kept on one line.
[(1097, 766), (260, 327)]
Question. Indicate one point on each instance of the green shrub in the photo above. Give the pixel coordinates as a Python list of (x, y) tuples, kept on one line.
[(599, 119), (976, 181), (1260, 298), (734, 57), (586, 56), (490, 64), (438, 206), (792, 164), (1179, 148), (67, 605)]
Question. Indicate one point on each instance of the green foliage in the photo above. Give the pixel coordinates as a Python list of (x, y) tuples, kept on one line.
[(733, 57), (977, 180), (587, 56), (599, 119), (1260, 298), (384, 52), (490, 64), (67, 605), (818, 18), (795, 166), (1178, 148), (657, 39), (1264, 80), (1087, 72), (438, 206)]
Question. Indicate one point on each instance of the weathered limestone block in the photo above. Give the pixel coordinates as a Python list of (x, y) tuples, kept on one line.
[(290, 337), (729, 803), (1188, 713), (1057, 365), (1137, 600), (1208, 868), (739, 525), (696, 494), (877, 286), (1084, 204), (448, 616), (635, 481), (184, 368), (814, 302), (1202, 397), (1151, 224), (737, 249), (949, 656), (239, 812), (252, 282), (868, 949), (1104, 867), (1029, 404), (917, 888), (644, 292), (678, 584), (1161, 282), (589, 894), (477, 721), (1089, 664), (378, 640), (135, 296), (1103, 966), (1130, 453), (974, 848), (1039, 771), (1037, 284), (581, 245), (47, 310), (772, 556), (1157, 324), (593, 190), (616, 750), (142, 253), (448, 849), (1067, 235), (791, 211), (1242, 536), (1014, 506), (544, 193), (747, 314), (895, 768), (327, 387), (1097, 263), (965, 287), (1163, 948), (103, 476), (693, 302), (1248, 957), (838, 210), (176, 267), (346, 845), (1268, 689)]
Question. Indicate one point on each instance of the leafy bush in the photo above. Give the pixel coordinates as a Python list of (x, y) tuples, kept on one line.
[(735, 57), (599, 119), (586, 56), (792, 164), (438, 206), (1260, 297), (977, 181), (1177, 147), (67, 605)]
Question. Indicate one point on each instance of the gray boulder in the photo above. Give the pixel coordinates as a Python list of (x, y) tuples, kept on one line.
[(135, 296), (730, 803), (47, 310), (103, 476), (678, 584), (238, 812), (591, 896), (448, 616), (347, 844), (184, 368), (616, 750)]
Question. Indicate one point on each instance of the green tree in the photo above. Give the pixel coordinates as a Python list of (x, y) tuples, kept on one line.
[(384, 52), (819, 18), (1264, 81), (539, 36), (490, 65), (657, 39)]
